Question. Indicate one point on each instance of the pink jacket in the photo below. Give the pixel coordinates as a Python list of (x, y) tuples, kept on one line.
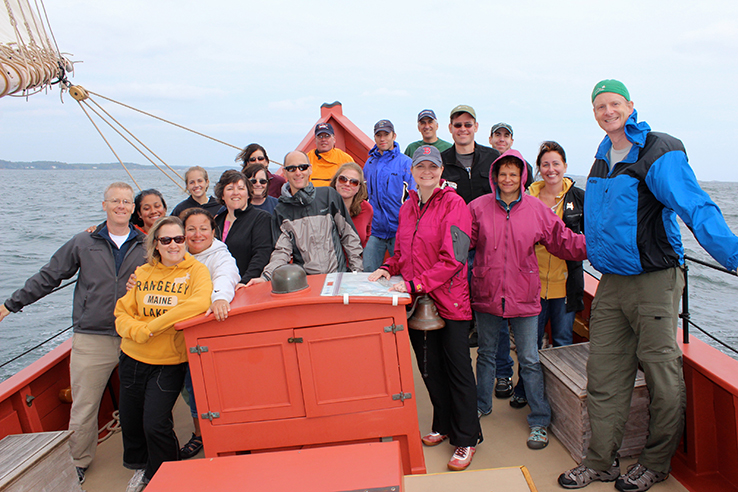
[(505, 279), (431, 249)]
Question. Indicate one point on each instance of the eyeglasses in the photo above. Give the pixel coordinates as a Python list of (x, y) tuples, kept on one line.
[(468, 124), (343, 179), (322, 136), (260, 159), (260, 181), (301, 167), (118, 201), (165, 240)]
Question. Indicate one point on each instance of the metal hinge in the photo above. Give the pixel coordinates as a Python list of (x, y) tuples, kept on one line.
[(29, 400), (198, 349), (393, 328), (294, 340), (210, 416), (402, 396)]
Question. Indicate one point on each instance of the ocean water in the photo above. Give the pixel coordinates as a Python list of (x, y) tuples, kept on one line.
[(43, 209)]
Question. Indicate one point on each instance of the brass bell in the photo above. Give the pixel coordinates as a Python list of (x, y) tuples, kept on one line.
[(424, 315)]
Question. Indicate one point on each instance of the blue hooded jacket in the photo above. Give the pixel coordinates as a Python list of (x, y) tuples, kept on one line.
[(630, 207), (388, 178)]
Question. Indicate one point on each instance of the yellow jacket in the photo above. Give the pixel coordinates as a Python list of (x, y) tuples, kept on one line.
[(552, 269), (326, 165), (163, 296)]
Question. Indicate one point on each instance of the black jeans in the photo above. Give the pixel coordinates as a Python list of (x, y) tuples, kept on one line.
[(445, 364), (147, 396)]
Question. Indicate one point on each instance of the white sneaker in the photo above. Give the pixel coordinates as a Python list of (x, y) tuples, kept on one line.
[(137, 482)]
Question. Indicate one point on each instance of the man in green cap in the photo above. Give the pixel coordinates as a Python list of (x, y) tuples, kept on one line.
[(639, 182)]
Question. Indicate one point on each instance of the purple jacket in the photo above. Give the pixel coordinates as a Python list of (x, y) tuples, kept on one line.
[(431, 250), (505, 279)]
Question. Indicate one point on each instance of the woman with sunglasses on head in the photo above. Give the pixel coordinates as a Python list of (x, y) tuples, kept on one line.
[(246, 230), (172, 286), (349, 183), (256, 154), (197, 184), (258, 175)]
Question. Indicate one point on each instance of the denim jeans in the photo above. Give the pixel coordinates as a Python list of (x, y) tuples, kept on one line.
[(562, 329), (147, 396), (374, 252), (190, 393), (525, 330)]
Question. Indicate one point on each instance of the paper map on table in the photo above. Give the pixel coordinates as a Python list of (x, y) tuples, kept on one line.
[(358, 284)]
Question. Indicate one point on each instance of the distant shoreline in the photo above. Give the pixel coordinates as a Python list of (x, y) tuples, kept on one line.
[(64, 166)]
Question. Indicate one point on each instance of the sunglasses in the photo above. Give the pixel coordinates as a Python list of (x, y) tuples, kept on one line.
[(260, 181), (343, 180), (468, 124), (254, 159), (301, 167), (166, 239)]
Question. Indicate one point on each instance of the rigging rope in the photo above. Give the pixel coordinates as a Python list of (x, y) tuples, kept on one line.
[(34, 348)]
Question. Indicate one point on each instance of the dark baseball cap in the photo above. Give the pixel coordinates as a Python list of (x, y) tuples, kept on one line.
[(501, 125), (384, 126), (324, 128), (427, 153), (427, 113)]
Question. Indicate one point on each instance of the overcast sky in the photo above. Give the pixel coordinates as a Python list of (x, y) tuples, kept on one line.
[(247, 72)]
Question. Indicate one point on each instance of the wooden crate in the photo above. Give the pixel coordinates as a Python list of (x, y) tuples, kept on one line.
[(38, 462), (565, 373)]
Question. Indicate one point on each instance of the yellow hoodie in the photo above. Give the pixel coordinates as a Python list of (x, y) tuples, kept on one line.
[(552, 269), (163, 296)]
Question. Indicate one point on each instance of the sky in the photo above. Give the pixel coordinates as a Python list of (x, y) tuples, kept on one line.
[(244, 71)]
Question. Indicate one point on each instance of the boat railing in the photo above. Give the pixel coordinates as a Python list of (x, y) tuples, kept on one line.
[(52, 337), (685, 315)]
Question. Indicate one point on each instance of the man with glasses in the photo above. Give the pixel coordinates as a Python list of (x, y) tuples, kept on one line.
[(428, 128), (325, 157), (302, 211), (388, 178), (466, 163), (104, 259)]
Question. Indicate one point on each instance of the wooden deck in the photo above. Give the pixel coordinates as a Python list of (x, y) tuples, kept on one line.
[(504, 446)]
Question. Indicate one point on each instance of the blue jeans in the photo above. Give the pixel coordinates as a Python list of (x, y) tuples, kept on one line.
[(525, 330), (374, 252), (562, 329), (504, 361)]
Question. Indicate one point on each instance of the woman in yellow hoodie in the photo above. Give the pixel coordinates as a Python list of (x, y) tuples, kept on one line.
[(562, 282), (171, 287)]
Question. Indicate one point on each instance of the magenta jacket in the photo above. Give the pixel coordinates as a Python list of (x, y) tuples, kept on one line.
[(505, 279), (431, 249)]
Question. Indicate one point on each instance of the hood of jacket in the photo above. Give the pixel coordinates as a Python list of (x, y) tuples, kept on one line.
[(374, 152), (302, 198), (218, 247), (535, 188), (523, 177)]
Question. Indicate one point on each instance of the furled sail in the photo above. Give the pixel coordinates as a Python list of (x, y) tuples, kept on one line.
[(29, 58)]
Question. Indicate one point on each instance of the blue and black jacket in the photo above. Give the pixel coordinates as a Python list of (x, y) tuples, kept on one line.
[(631, 207)]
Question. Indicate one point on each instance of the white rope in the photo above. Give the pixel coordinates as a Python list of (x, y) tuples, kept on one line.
[(111, 427)]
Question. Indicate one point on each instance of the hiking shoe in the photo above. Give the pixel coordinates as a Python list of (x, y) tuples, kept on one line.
[(518, 401), (193, 446), (138, 481), (503, 388), (81, 474), (581, 476), (433, 439), (538, 438), (462, 458), (639, 478)]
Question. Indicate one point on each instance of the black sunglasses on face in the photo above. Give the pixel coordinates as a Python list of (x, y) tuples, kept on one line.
[(254, 159), (260, 181), (468, 124), (343, 179), (301, 167), (166, 239)]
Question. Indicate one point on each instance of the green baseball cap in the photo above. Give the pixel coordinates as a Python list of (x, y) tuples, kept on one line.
[(610, 85), (463, 108)]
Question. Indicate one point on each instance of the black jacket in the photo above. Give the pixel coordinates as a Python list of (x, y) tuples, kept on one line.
[(249, 240), (574, 220), (475, 182)]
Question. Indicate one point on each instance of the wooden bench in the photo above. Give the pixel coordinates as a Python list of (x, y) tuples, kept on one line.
[(38, 462), (565, 373)]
